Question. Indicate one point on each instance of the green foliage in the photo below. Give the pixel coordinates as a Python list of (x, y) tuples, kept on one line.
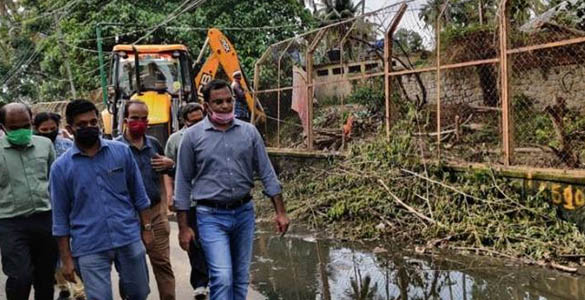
[(335, 10), (371, 95), (409, 40), (453, 34), (572, 14), (469, 210), (78, 20)]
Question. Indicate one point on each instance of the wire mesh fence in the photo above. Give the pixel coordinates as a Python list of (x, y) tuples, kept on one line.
[(546, 58), (502, 85)]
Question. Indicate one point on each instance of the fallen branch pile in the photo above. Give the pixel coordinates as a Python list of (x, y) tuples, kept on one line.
[(382, 191)]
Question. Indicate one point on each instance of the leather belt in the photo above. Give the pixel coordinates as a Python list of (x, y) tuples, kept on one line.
[(225, 205)]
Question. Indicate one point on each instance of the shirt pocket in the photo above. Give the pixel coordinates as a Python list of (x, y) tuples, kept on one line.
[(41, 168), (116, 179)]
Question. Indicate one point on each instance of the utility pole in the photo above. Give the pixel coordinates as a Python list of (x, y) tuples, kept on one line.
[(66, 58), (363, 7)]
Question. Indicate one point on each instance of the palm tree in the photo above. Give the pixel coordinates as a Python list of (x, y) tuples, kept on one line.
[(335, 10)]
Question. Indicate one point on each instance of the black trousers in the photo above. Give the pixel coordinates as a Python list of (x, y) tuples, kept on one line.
[(199, 275), (29, 256)]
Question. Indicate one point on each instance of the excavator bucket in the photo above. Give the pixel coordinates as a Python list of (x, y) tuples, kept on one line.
[(224, 53)]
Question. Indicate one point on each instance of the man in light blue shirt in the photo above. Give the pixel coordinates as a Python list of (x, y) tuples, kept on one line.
[(97, 194), (216, 164)]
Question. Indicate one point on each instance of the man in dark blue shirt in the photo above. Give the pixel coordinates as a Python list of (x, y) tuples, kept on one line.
[(148, 154), (97, 194), (217, 161)]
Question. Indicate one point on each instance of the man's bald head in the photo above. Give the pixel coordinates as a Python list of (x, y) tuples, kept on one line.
[(15, 115)]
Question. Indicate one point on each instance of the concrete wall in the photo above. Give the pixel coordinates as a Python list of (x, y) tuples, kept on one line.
[(463, 85), (327, 73)]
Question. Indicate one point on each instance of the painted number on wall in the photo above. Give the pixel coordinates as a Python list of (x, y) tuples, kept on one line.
[(566, 196)]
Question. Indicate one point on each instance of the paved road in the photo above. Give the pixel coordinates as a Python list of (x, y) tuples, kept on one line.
[(181, 268)]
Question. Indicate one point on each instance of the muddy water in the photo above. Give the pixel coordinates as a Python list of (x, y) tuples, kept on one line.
[(301, 267)]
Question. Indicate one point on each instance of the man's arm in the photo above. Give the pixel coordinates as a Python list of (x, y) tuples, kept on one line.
[(168, 185), (52, 156), (147, 234), (183, 188), (61, 207), (135, 184), (160, 163), (169, 181), (60, 201), (171, 148), (139, 197), (272, 186), (67, 267), (185, 173)]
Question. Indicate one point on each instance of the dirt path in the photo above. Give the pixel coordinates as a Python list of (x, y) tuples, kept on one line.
[(181, 268)]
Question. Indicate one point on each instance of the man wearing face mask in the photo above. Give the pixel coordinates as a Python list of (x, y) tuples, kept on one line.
[(148, 154), (47, 125), (101, 212), (217, 161), (191, 114), (29, 251)]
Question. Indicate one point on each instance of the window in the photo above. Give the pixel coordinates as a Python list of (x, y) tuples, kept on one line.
[(355, 69), (323, 72), (156, 71), (370, 67)]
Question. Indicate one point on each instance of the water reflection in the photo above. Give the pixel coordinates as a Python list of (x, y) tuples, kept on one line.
[(302, 267)]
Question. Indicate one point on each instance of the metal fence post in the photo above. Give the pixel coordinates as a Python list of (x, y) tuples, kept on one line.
[(507, 127), (388, 43)]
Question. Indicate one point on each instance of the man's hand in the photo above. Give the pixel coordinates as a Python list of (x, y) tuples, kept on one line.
[(160, 163), (68, 270), (282, 223), (147, 238), (186, 236)]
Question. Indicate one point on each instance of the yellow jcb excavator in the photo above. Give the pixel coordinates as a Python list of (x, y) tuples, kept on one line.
[(162, 76)]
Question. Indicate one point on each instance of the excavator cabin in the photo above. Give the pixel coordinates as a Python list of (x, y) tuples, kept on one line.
[(160, 76), (163, 77)]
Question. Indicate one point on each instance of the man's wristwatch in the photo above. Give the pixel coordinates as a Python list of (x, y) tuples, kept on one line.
[(147, 227)]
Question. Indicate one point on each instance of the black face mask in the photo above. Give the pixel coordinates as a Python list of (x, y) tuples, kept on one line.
[(50, 135), (87, 136)]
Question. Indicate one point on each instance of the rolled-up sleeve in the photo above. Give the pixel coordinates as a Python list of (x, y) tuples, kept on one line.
[(135, 184), (60, 202), (263, 167), (184, 175)]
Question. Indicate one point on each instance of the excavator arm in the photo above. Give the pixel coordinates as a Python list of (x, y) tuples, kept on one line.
[(223, 53)]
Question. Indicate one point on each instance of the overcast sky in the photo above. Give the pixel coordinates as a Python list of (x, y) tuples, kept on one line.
[(409, 21)]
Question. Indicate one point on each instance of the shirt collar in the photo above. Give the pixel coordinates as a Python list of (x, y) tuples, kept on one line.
[(127, 142), (207, 125), (6, 144), (76, 151)]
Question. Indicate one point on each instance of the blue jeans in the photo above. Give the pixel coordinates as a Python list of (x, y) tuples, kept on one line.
[(227, 237), (130, 262)]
